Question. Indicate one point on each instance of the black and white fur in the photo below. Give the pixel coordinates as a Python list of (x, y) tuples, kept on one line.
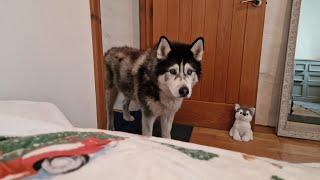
[(241, 129), (158, 79)]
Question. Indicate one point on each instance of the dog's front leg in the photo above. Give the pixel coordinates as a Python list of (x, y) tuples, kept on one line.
[(166, 124), (147, 124)]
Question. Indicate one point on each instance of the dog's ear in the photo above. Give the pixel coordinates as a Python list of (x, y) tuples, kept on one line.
[(253, 110), (197, 48), (164, 48), (236, 107)]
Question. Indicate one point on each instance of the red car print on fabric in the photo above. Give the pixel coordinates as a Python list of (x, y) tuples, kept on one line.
[(68, 153)]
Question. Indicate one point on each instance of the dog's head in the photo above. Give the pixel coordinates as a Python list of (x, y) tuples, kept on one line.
[(243, 113), (179, 67)]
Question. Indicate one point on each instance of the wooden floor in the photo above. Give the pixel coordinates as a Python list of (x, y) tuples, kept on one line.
[(265, 144)]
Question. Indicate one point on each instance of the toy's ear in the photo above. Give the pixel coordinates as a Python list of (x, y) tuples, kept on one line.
[(164, 48), (253, 110), (236, 107)]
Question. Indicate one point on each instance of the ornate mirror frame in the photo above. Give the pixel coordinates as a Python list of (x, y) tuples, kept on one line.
[(285, 127)]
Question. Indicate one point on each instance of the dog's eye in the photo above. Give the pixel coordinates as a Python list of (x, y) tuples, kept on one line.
[(189, 72), (173, 71), (240, 112)]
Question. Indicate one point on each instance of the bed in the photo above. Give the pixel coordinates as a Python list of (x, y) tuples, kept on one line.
[(38, 142)]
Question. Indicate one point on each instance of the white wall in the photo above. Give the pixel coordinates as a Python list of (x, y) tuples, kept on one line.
[(273, 57), (120, 26), (308, 41), (120, 23), (46, 55)]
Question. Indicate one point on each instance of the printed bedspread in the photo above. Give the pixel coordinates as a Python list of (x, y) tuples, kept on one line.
[(94, 154)]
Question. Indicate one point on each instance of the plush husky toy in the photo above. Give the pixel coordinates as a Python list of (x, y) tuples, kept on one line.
[(241, 129)]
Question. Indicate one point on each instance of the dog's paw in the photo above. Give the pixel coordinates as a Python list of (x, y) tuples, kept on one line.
[(128, 117), (246, 138)]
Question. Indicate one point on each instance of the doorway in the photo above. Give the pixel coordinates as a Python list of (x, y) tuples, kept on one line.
[(232, 31)]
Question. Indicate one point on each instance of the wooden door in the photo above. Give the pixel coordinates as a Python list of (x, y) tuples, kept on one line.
[(233, 34)]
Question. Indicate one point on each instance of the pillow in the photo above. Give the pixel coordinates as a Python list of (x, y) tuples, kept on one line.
[(27, 118)]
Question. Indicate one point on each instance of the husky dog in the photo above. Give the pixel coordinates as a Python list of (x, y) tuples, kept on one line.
[(158, 79)]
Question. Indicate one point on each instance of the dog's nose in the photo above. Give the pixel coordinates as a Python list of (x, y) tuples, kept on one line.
[(184, 91)]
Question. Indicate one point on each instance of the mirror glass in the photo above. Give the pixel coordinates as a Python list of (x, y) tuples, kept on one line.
[(305, 107)]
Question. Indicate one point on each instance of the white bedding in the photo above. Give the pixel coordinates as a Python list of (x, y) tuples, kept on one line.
[(19, 118), (138, 157)]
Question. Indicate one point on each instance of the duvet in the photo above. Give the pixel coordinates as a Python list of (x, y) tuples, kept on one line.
[(38, 142), (94, 154)]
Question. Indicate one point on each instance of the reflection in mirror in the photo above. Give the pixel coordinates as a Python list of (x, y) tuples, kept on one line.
[(305, 107)]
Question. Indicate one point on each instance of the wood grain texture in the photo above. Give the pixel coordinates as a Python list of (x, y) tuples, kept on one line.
[(236, 51), (251, 55), (146, 23), (197, 27), (173, 20), (160, 13), (98, 62), (206, 114), (185, 17), (210, 37), (265, 144), (149, 23), (143, 24), (262, 145), (223, 46)]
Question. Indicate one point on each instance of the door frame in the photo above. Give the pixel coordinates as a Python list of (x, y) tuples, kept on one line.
[(145, 19), (99, 72), (95, 14)]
